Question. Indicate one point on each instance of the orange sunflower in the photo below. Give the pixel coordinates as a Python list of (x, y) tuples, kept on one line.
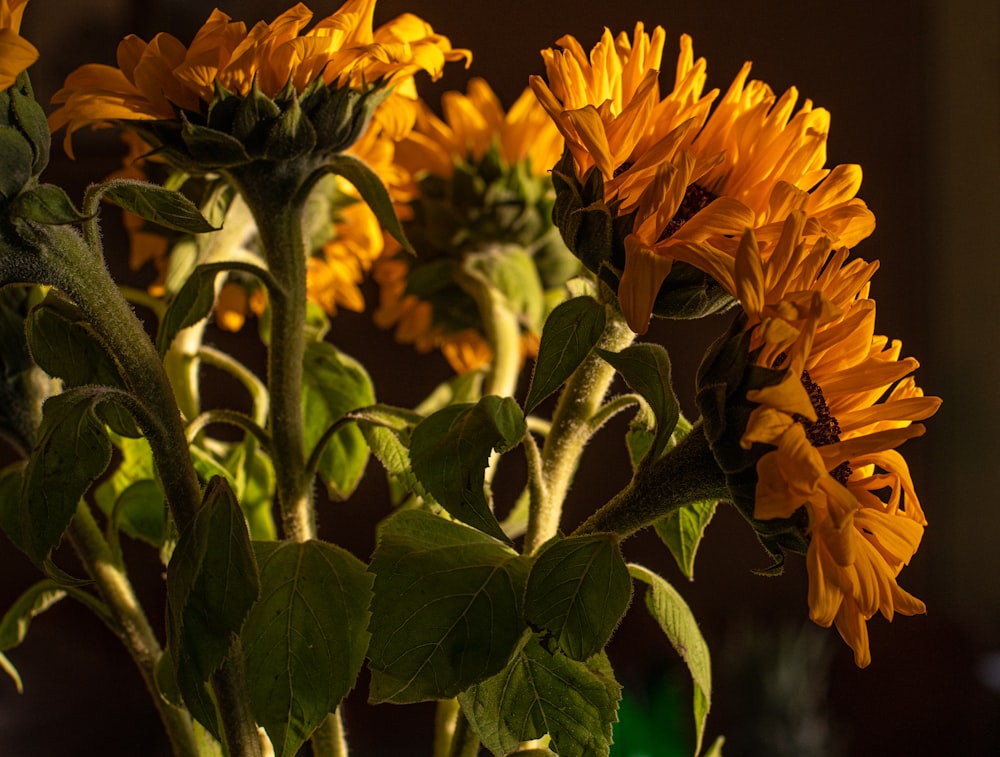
[(831, 424), (674, 172), (478, 186)]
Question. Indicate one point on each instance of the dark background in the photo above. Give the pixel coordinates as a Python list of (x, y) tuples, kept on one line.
[(914, 91)]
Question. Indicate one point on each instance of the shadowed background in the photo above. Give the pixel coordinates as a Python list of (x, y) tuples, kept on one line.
[(914, 92)]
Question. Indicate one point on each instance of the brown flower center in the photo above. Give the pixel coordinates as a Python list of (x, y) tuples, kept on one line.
[(695, 199), (825, 429)]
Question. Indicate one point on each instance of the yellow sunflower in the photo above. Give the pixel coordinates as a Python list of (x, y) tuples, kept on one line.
[(831, 424), (684, 172), (478, 181), (16, 53), (154, 79)]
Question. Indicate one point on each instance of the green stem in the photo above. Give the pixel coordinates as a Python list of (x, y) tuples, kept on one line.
[(464, 742), (130, 623), (572, 428), (330, 739), (687, 473), (230, 687), (445, 715), (277, 202)]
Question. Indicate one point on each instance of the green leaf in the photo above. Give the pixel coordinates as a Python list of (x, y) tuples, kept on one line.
[(8, 667), (131, 497), (305, 639), (570, 333), (389, 448), (578, 590), (253, 478), (670, 610), (682, 531), (164, 207), (333, 385), (36, 600), (541, 693), (451, 448), (646, 369), (46, 203), (211, 585), (16, 157), (447, 608), (72, 451), (373, 192), (65, 345), (511, 270)]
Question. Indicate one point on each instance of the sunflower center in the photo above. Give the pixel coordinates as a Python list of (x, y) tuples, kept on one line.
[(825, 429), (695, 198)]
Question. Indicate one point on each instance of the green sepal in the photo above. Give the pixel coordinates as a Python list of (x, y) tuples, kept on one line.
[(677, 622), (212, 583), (446, 612), (291, 134), (372, 191), (306, 637), (252, 118), (16, 157), (29, 117), (209, 148), (194, 301), (578, 591), (73, 449), (164, 207), (682, 531), (540, 693), (450, 450), (646, 369), (46, 203), (570, 333), (333, 385)]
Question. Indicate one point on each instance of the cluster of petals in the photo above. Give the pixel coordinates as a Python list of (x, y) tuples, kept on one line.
[(846, 402), (16, 53), (153, 79), (749, 161)]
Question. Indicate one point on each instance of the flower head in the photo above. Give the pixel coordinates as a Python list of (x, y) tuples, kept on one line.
[(477, 207), (256, 84), (657, 173), (16, 53), (807, 426)]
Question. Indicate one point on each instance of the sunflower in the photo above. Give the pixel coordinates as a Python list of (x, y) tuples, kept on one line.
[(156, 81), (16, 53), (824, 436), (478, 194), (673, 172)]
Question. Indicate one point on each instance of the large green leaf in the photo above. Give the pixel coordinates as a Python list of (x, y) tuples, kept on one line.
[(305, 639), (132, 496), (674, 616), (447, 608), (72, 451), (578, 590), (570, 333), (451, 448), (164, 207), (333, 385), (682, 531), (211, 585), (539, 693), (646, 368)]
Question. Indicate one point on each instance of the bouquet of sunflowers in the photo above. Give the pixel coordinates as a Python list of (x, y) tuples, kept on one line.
[(271, 171)]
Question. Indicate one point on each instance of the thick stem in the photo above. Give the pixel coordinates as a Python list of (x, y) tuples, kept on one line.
[(130, 624), (230, 687), (277, 204), (464, 742), (686, 474), (329, 740), (445, 716), (571, 429)]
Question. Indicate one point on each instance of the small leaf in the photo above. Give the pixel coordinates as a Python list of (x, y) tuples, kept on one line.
[(682, 531), (670, 610), (539, 693), (646, 368), (305, 639), (388, 446), (46, 203), (578, 590), (333, 385), (570, 333), (72, 451), (211, 585), (451, 448), (131, 496), (36, 600), (446, 611), (511, 271), (373, 192), (164, 207), (8, 667), (16, 157)]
